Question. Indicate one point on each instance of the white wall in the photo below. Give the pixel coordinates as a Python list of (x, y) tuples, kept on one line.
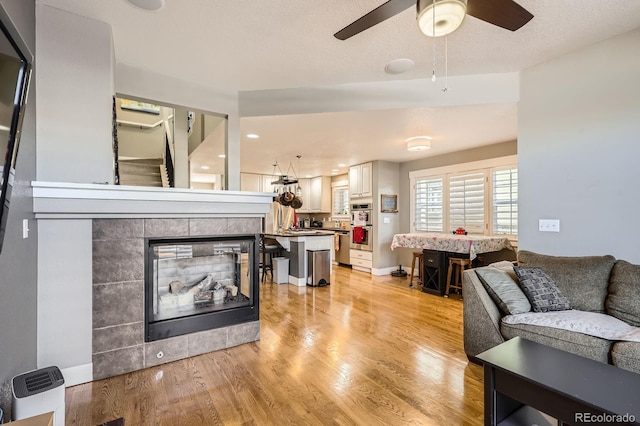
[(579, 151), (75, 89)]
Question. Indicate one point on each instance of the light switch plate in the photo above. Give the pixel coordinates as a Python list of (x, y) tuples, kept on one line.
[(387, 220), (549, 225), (25, 228)]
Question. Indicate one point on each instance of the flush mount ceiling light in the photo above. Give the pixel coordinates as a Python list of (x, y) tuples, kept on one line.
[(150, 5), (437, 18), (418, 143)]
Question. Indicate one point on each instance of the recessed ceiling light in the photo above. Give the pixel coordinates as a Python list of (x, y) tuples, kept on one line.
[(204, 167), (252, 136), (398, 66), (148, 4), (308, 176), (222, 156), (341, 165), (334, 170), (418, 143)]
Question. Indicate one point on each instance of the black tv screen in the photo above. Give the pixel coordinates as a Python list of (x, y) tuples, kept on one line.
[(15, 70)]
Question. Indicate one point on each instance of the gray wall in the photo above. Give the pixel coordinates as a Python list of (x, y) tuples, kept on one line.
[(578, 151), (384, 181), (19, 256), (75, 89), (497, 150)]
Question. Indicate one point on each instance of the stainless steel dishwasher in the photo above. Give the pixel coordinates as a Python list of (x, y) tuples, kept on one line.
[(342, 254)]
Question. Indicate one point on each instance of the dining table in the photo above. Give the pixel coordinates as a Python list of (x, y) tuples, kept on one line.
[(453, 243)]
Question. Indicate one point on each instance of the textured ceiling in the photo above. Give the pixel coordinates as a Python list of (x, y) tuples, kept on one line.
[(288, 44)]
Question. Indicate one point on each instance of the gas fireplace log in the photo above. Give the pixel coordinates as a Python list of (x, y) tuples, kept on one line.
[(205, 284), (175, 287)]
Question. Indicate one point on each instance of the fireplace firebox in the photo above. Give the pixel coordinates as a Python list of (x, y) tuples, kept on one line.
[(202, 283)]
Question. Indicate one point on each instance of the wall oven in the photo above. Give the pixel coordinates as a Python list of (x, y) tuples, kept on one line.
[(361, 234), (361, 238)]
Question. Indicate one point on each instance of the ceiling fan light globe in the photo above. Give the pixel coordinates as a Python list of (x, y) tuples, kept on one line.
[(449, 14)]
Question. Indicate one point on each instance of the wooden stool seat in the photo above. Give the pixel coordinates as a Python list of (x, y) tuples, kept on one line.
[(461, 265), (416, 255)]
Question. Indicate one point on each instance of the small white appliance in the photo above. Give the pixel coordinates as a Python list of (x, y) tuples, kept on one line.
[(38, 392)]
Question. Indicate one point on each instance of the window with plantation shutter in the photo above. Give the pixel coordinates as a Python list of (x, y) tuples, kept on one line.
[(467, 201), (505, 201), (429, 215), (481, 197)]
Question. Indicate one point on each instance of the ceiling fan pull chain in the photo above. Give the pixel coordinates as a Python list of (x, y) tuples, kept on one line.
[(433, 76), (446, 64)]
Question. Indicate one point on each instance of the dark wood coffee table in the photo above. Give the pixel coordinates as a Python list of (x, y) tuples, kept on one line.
[(523, 379)]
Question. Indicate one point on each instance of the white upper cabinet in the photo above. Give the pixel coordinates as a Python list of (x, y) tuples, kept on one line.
[(305, 185), (360, 181), (250, 182), (320, 198)]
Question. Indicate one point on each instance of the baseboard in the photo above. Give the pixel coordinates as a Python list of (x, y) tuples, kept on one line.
[(300, 282), (383, 271), (77, 375)]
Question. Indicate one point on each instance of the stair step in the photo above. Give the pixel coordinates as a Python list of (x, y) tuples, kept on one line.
[(155, 161)]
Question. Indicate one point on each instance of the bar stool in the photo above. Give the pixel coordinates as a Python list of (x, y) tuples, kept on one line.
[(268, 251), (461, 265), (416, 255)]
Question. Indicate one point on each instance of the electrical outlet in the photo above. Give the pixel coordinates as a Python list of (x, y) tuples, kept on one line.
[(549, 225)]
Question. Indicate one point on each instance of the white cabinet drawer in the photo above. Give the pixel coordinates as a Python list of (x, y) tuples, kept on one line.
[(359, 254), (362, 263)]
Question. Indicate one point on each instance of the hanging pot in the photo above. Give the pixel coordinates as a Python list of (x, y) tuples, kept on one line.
[(288, 196), (296, 203)]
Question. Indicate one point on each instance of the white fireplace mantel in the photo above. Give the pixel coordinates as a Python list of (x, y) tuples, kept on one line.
[(57, 200), (64, 214)]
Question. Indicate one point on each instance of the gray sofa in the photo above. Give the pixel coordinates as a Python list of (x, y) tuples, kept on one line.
[(593, 284)]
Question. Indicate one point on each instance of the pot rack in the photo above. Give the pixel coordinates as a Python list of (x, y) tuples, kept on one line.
[(285, 179)]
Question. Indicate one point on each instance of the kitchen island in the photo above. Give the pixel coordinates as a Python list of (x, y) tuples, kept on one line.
[(296, 244)]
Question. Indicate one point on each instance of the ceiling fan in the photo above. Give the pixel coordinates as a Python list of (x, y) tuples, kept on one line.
[(447, 17)]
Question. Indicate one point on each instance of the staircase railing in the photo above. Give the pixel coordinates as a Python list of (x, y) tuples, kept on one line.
[(168, 161)]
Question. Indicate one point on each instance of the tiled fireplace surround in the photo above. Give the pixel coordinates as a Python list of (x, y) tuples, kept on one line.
[(118, 294)]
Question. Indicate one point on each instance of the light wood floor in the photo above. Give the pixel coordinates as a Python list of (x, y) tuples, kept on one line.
[(363, 351)]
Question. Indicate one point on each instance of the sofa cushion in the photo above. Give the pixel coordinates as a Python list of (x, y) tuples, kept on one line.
[(583, 280), (626, 355), (577, 343), (504, 291), (541, 291), (623, 301)]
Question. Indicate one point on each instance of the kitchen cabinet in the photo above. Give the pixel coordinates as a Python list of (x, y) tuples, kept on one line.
[(257, 183), (250, 182), (361, 260), (360, 180), (305, 184), (320, 198)]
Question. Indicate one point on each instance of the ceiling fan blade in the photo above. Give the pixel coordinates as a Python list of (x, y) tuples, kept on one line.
[(504, 13), (377, 15)]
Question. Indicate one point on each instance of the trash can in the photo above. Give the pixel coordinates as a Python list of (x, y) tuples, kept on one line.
[(280, 270), (318, 267)]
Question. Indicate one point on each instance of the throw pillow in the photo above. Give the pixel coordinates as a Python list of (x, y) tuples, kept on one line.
[(583, 280), (504, 290), (623, 301), (541, 291)]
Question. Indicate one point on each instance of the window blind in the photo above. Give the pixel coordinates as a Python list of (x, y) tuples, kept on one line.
[(467, 201), (505, 201), (429, 215)]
